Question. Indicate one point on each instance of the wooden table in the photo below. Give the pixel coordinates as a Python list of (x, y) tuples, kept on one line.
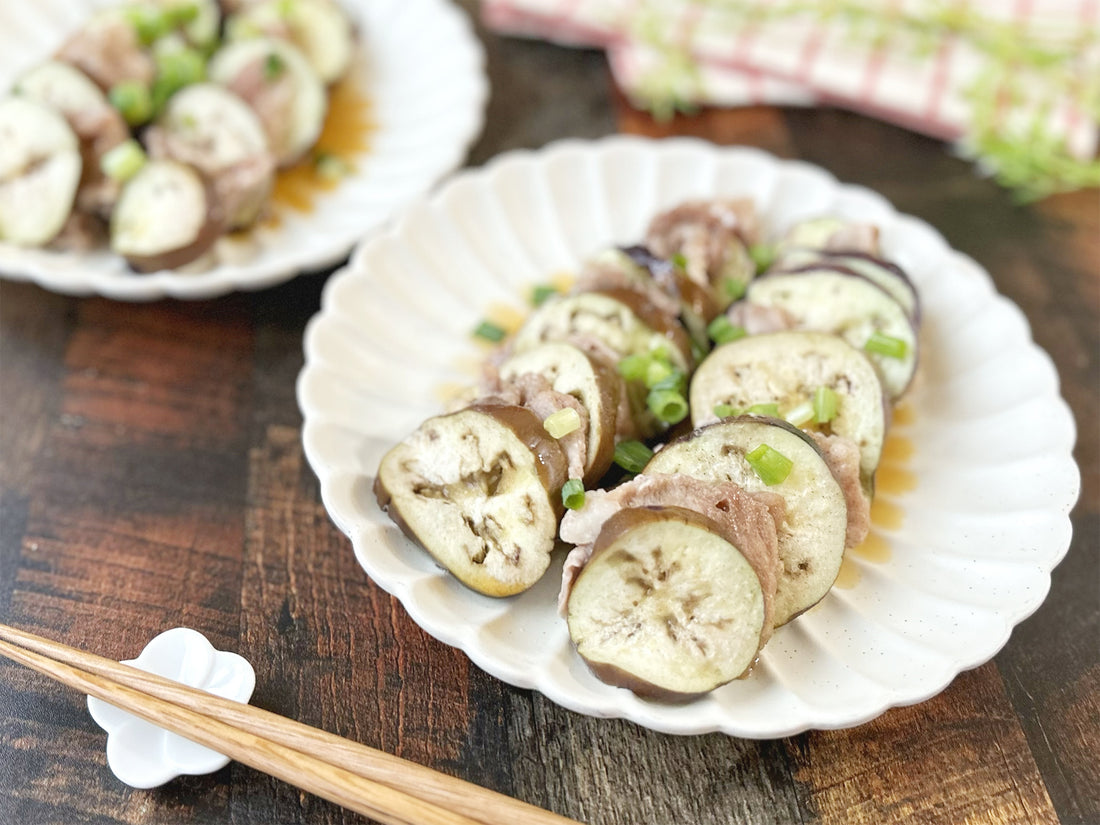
[(153, 476)]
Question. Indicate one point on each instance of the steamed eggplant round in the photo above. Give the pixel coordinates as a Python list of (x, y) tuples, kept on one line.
[(848, 305), (163, 218), (276, 80), (319, 28), (574, 372), (479, 489), (667, 605), (814, 529), (213, 130), (40, 169), (787, 369)]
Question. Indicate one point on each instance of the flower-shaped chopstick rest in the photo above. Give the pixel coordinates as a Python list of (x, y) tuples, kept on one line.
[(145, 756)]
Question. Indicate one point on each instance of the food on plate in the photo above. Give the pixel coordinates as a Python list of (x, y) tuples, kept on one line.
[(669, 605), (816, 380), (39, 172), (696, 543), (163, 80), (163, 218), (814, 524), (479, 489)]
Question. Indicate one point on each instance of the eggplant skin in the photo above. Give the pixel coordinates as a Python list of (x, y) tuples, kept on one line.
[(667, 606), (479, 490)]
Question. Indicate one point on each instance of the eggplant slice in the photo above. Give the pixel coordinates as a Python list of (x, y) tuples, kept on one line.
[(847, 305), (318, 28), (40, 169), (208, 127), (667, 606), (276, 80), (814, 529), (478, 489), (787, 368), (163, 220), (887, 275), (574, 372)]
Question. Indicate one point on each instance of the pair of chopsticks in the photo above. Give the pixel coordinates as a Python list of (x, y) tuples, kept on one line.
[(384, 787)]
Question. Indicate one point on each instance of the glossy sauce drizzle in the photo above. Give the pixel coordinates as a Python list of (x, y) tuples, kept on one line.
[(894, 478), (346, 133)]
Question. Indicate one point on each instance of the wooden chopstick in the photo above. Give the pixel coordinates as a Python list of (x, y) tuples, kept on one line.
[(384, 787)]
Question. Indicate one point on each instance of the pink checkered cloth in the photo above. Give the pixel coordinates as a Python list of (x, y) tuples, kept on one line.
[(708, 52)]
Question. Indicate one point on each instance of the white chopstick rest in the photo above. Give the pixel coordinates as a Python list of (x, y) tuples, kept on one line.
[(145, 756)]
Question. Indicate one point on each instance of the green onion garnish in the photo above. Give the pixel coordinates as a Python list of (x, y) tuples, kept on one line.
[(771, 409), (634, 367), (733, 288), (726, 411), (668, 405), (762, 255), (675, 380), (490, 331), (563, 422), (149, 23), (886, 345), (802, 414), (123, 161), (824, 405), (181, 14), (632, 456), (679, 260), (772, 466), (331, 167), (722, 331), (274, 66), (656, 372), (179, 68), (133, 101), (572, 494), (541, 294)]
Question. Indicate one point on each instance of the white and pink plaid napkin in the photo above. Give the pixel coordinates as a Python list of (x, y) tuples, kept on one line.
[(840, 52)]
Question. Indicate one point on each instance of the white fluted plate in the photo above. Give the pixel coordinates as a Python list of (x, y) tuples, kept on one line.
[(973, 542), (422, 72)]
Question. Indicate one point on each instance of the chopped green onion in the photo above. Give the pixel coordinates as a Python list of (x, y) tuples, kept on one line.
[(634, 367), (679, 260), (331, 167), (632, 456), (763, 255), (824, 405), (802, 414), (274, 66), (490, 331), (771, 465), (181, 14), (123, 161), (541, 294), (721, 330), (656, 372), (285, 8), (179, 68), (149, 23), (726, 411), (133, 101), (668, 405), (675, 380), (733, 288), (886, 345), (572, 494), (563, 422), (771, 409)]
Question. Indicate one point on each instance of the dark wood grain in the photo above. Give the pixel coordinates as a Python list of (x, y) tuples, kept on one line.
[(152, 475)]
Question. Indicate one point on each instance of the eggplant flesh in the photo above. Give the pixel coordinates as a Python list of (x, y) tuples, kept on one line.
[(319, 28), (814, 529), (787, 369), (847, 305), (667, 606), (40, 170)]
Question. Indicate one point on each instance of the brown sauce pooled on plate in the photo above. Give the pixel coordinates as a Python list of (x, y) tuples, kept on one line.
[(346, 134)]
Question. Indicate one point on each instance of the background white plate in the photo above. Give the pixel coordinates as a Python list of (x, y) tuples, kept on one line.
[(424, 76), (992, 439)]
